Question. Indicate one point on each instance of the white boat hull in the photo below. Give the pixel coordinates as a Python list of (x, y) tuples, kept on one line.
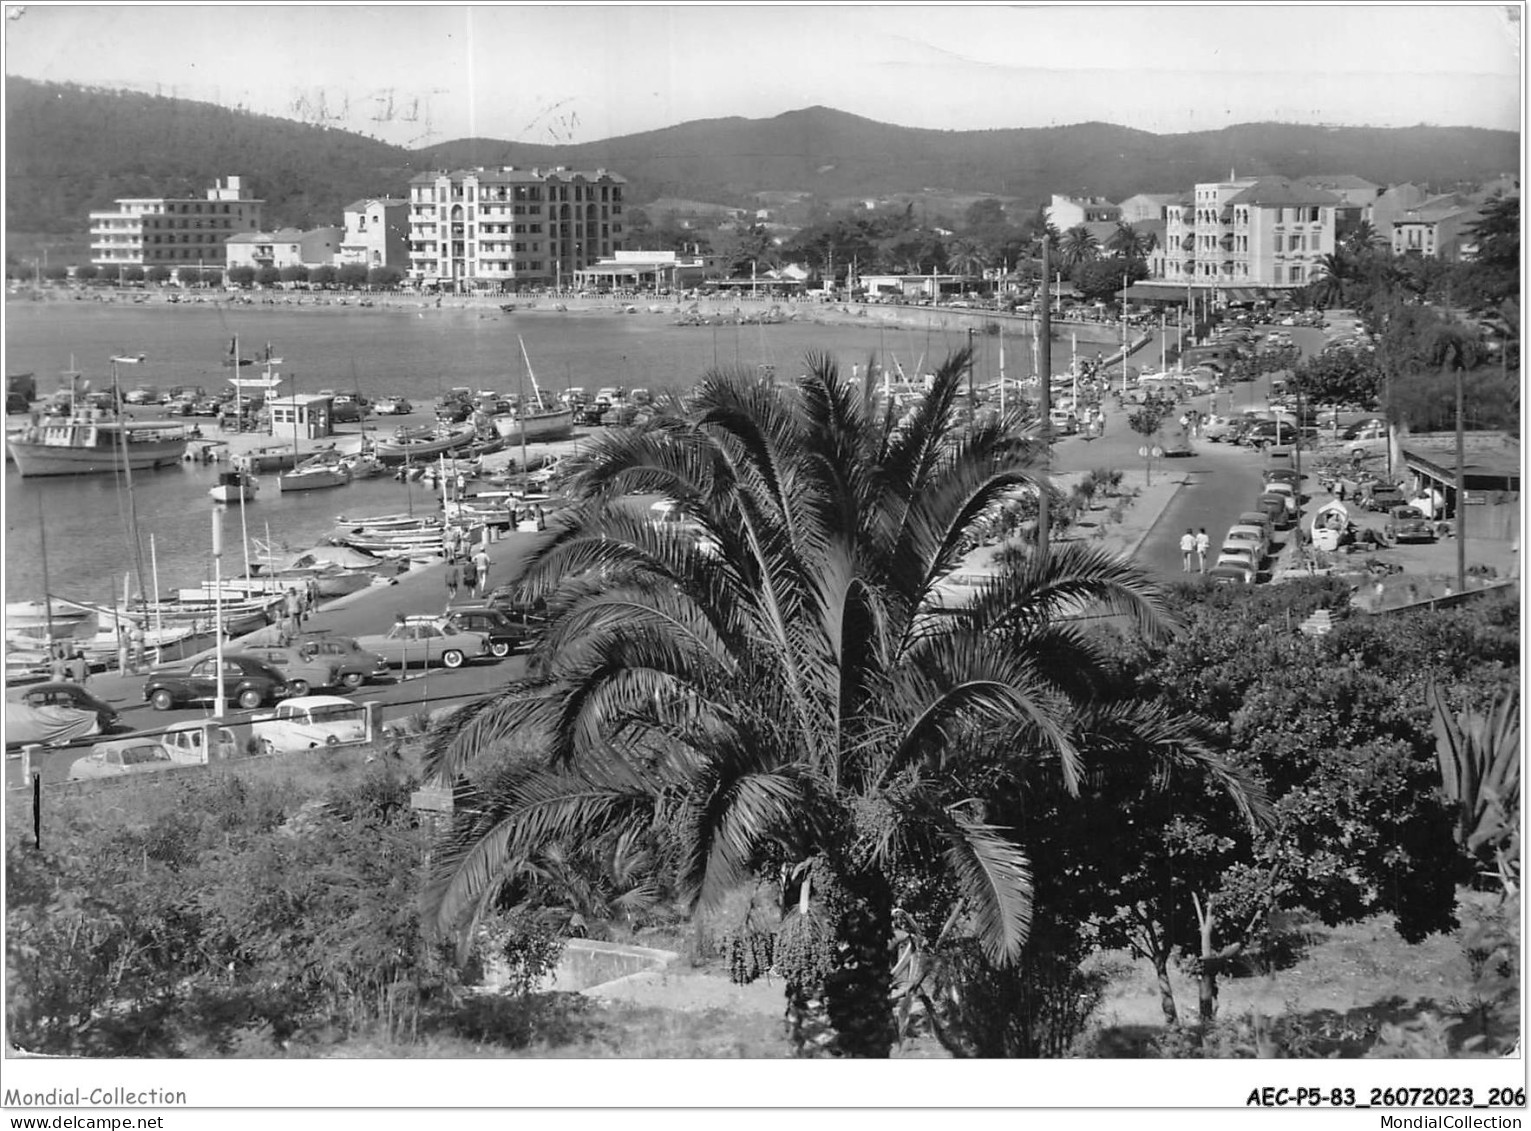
[(540, 427), (312, 480)]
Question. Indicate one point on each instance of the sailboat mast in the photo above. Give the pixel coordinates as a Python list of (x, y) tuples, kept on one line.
[(127, 471), (521, 397), (42, 534)]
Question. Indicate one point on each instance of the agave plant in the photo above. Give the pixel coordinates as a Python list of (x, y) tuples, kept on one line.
[(1479, 756), (776, 687)]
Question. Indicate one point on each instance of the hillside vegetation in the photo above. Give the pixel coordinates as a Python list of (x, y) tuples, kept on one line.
[(71, 149)]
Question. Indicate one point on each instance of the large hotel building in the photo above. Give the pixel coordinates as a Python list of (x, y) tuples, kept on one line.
[(173, 231), (510, 228)]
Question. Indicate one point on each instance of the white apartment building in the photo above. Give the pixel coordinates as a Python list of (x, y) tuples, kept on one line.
[(1066, 212), (173, 231), (1254, 232), (508, 228), (285, 247), (376, 233)]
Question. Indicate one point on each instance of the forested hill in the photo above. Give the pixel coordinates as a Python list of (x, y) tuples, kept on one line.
[(72, 149)]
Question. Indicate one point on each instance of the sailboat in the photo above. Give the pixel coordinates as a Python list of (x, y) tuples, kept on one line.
[(537, 420)]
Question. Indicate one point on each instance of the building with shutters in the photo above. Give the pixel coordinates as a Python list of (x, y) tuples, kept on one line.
[(507, 229), (173, 231)]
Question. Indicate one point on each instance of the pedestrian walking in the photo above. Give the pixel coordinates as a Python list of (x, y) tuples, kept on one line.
[(1203, 544), (58, 667), (80, 667), (122, 650), (313, 593), (470, 575), (481, 560), (542, 518), (453, 579), (294, 610), (136, 638), (1187, 548)]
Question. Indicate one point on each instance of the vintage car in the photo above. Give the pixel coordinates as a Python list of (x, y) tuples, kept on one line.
[(417, 643), (185, 743), (505, 635), (303, 670), (1382, 498), (308, 722), (1260, 521), (1409, 524), (247, 681), (356, 665), (1274, 507), (120, 757), (1251, 536), (1231, 573), (393, 406), (66, 694), (1237, 554)]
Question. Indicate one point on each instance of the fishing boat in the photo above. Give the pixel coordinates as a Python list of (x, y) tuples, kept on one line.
[(537, 420), (326, 469), (387, 521), (233, 486), (363, 465), (273, 457), (89, 445), (1331, 526), (422, 444)]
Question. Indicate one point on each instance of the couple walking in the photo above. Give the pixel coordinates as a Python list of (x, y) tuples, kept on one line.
[(474, 576), (1198, 544)]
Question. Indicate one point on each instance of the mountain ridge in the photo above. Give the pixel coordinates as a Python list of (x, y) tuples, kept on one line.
[(73, 149)]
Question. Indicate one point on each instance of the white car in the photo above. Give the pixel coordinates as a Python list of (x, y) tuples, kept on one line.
[(308, 722), (1237, 554), (1252, 536), (184, 742), (121, 757)]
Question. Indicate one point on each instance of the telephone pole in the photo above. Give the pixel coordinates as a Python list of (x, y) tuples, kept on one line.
[(1044, 404)]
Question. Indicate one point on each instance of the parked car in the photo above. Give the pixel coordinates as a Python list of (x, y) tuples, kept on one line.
[(308, 722), (1288, 475), (356, 665), (1261, 521), (302, 669), (1276, 509), (412, 643), (505, 635), (1368, 429), (393, 406), (184, 741), (1063, 421), (1382, 498), (65, 694), (1251, 536), (1237, 554), (121, 757), (1409, 524), (1287, 494), (1230, 573), (247, 681)]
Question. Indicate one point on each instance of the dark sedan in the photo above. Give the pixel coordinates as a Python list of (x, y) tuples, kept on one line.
[(505, 635), (67, 695), (1409, 524), (247, 681)]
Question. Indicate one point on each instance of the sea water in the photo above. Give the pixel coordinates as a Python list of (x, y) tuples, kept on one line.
[(410, 350)]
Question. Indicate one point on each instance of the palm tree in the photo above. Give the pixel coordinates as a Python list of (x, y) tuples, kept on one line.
[(777, 694), (1131, 244), (1364, 239), (965, 257), (1079, 246), (1337, 272)]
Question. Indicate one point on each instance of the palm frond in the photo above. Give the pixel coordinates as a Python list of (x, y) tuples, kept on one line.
[(993, 877)]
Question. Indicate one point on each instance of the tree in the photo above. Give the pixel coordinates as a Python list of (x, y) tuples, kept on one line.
[(1337, 272), (352, 276), (781, 703), (158, 274), (1336, 730), (86, 273), (1079, 246), (241, 276), (136, 274), (984, 213), (384, 278), (324, 276), (1339, 375), (963, 257), (294, 273), (1364, 240), (1102, 279), (1129, 243), (267, 276)]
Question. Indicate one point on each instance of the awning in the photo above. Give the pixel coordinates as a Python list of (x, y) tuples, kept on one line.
[(1143, 292), (1241, 294)]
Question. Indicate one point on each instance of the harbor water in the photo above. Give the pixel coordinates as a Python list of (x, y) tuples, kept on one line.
[(406, 350)]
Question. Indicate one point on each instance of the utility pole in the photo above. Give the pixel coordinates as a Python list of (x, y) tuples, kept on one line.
[(1044, 384), (1461, 494)]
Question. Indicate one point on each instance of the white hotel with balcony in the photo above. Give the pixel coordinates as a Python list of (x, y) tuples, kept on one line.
[(509, 228), (174, 231)]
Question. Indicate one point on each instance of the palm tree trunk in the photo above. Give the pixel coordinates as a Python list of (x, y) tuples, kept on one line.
[(857, 991)]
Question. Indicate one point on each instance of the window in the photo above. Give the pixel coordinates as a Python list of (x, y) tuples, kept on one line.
[(521, 229)]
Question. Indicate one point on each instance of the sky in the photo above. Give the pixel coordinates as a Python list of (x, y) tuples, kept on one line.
[(417, 75)]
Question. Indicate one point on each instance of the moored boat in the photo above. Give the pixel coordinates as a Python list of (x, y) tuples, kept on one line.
[(233, 486), (313, 478), (84, 446), (411, 444)]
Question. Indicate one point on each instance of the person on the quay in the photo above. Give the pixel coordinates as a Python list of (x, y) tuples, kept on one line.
[(452, 582), (1187, 548), (1203, 544), (481, 563), (294, 610), (470, 576), (136, 638)]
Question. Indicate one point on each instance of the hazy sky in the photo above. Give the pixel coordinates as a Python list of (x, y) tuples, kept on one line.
[(417, 74)]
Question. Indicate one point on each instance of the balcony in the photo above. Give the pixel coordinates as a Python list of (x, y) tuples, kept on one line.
[(1188, 244)]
